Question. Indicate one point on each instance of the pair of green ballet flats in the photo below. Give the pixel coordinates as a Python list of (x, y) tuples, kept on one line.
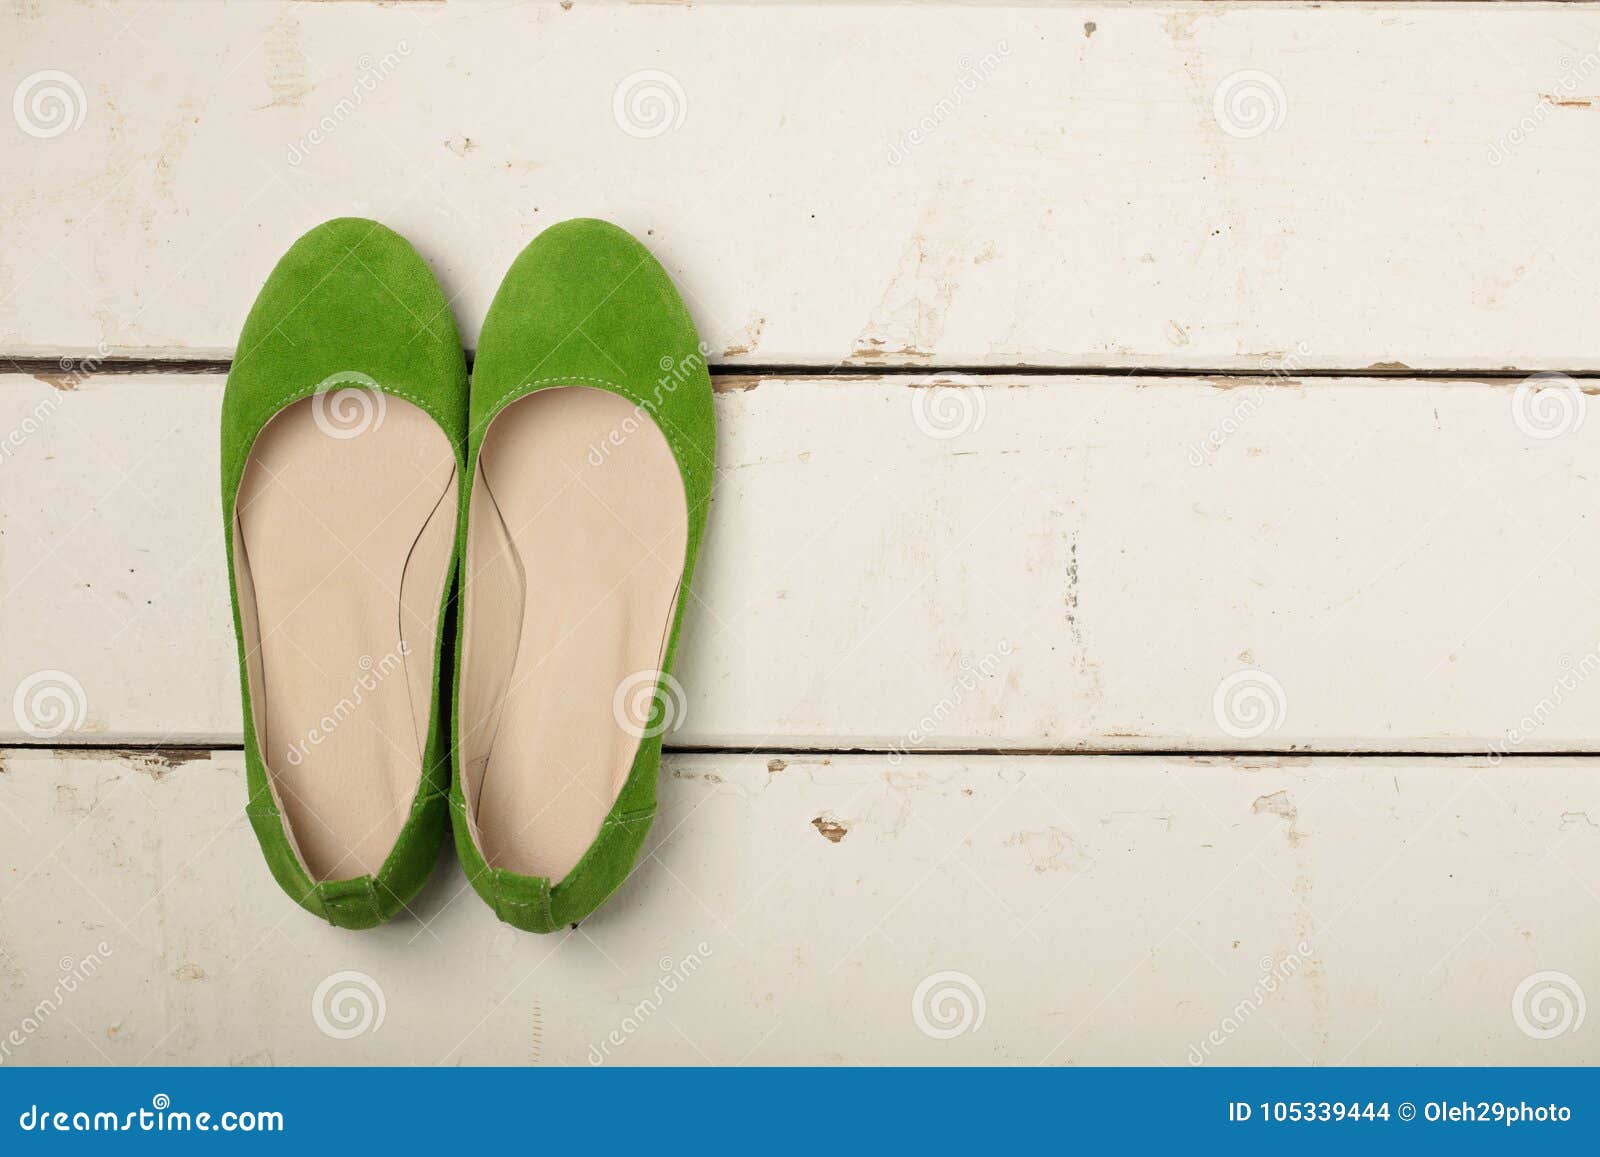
[(458, 596)]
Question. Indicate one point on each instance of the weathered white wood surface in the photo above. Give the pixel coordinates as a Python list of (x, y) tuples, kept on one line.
[(1413, 568), (1040, 185), (1108, 909)]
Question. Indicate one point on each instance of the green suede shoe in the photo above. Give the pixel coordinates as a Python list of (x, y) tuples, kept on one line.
[(589, 469), (343, 425)]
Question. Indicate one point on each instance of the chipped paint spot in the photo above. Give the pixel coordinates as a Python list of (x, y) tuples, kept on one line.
[(1089, 27), (190, 972), (830, 828), (910, 316), (1047, 850), (461, 146), (746, 340), (774, 766), (1279, 804)]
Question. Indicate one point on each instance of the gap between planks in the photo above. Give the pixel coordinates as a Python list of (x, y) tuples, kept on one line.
[(183, 752), (91, 366)]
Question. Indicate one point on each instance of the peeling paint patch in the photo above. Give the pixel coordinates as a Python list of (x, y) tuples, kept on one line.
[(286, 65), (746, 340), (1279, 804), (830, 828), (190, 972), (910, 317), (774, 766), (1047, 850)]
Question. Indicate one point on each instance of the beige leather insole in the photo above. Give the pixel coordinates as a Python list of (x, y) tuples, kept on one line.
[(575, 551), (342, 551)]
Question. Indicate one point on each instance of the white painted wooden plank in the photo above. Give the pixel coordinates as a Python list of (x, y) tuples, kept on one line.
[(1096, 909), (1085, 562), (1042, 185)]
